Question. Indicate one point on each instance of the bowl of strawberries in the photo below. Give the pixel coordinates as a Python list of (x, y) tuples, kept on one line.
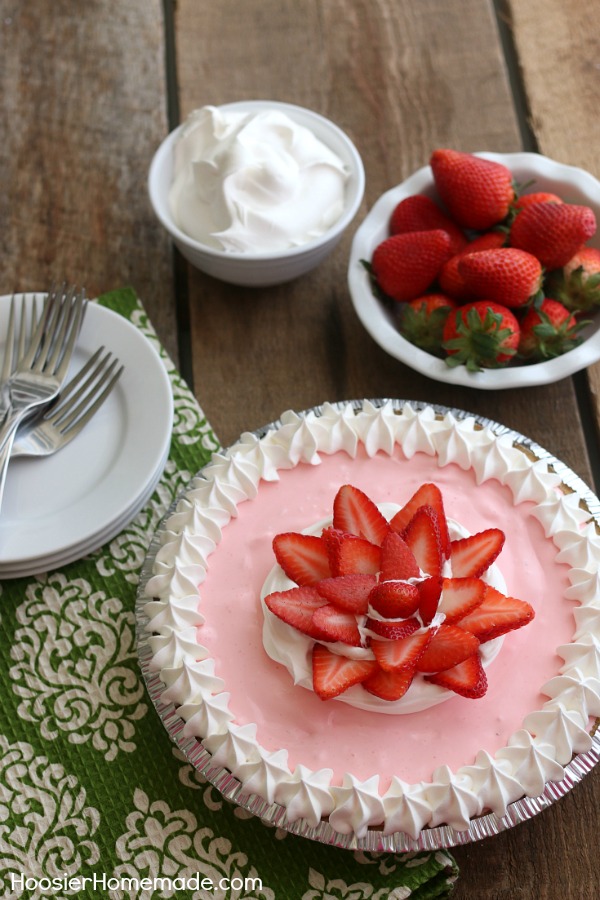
[(483, 269)]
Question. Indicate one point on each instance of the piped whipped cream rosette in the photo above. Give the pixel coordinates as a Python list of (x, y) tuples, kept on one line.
[(393, 606), (325, 761)]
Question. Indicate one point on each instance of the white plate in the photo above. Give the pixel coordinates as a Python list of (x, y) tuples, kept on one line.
[(572, 184), (58, 504)]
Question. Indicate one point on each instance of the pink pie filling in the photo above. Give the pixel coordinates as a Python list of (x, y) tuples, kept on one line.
[(330, 734)]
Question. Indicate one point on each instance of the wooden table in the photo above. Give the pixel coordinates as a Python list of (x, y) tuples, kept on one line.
[(90, 89)]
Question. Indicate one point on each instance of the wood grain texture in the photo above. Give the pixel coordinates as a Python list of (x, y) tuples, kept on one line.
[(402, 77), (83, 102)]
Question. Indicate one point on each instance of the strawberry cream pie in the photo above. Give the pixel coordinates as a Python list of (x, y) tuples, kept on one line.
[(383, 616)]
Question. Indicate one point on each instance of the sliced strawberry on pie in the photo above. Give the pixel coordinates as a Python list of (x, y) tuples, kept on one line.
[(333, 674), (430, 590), (303, 557), (336, 625), (460, 596), (468, 678), (473, 555), (397, 559), (422, 534), (296, 607), (389, 685), (349, 592), (392, 629), (394, 599), (449, 646), (354, 555), (403, 653), (355, 513), (496, 615), (427, 494)]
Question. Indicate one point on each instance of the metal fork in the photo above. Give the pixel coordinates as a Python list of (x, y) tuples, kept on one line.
[(39, 374), (15, 348)]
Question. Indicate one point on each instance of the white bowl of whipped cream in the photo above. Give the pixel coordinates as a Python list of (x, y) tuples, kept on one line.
[(256, 193)]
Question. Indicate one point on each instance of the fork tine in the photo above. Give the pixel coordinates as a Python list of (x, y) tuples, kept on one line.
[(61, 358), (7, 364), (78, 388), (80, 416), (43, 327)]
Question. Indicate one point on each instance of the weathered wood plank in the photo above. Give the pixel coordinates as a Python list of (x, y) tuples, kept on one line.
[(83, 102)]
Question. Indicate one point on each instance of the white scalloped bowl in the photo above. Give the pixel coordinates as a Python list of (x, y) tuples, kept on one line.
[(268, 268), (572, 184)]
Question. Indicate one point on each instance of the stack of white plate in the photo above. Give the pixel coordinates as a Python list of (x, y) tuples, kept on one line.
[(59, 508)]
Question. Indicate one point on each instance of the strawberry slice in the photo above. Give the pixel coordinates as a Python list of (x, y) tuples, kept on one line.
[(348, 592), (351, 555), (336, 625), (296, 607), (392, 629), (468, 678), (355, 513), (460, 596), (430, 590), (403, 653), (496, 615), (397, 559), (422, 535), (449, 646), (473, 555), (427, 494), (303, 557), (333, 674), (389, 685), (395, 599)]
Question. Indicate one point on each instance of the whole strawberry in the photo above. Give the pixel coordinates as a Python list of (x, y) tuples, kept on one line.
[(477, 192), (450, 280), (405, 265), (577, 284), (553, 232), (508, 276), (422, 321), (548, 330), (481, 335), (420, 213)]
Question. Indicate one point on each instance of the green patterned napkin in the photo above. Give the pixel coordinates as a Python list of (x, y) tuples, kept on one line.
[(95, 800)]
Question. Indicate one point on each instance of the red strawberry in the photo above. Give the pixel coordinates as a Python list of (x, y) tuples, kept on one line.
[(553, 232), (480, 335), (389, 685), (403, 653), (348, 592), (577, 285), (355, 513), (333, 674), (449, 646), (397, 559), (428, 494), (422, 535), (421, 213), (392, 629), (460, 596), (477, 192), (536, 197), (549, 330), (395, 599), (430, 590), (296, 607), (354, 555), (336, 625), (422, 320), (303, 557), (473, 555), (450, 280), (508, 276), (496, 615), (405, 265), (468, 678)]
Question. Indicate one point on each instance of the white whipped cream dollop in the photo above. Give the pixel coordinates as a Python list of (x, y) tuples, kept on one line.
[(252, 182)]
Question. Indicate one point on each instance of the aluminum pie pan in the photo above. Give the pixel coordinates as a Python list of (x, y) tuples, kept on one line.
[(436, 838)]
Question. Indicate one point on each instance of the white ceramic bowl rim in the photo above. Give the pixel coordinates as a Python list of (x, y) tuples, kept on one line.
[(383, 330), (304, 117)]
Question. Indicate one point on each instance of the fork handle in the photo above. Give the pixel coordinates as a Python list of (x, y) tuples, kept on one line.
[(4, 461)]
